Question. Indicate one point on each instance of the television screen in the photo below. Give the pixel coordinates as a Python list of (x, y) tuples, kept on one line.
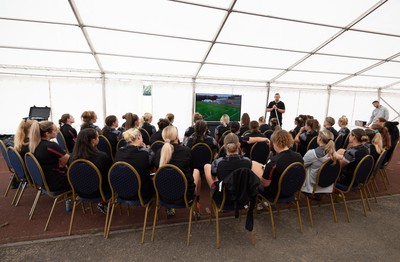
[(213, 106)]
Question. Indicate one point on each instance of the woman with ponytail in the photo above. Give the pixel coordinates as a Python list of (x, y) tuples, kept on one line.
[(51, 157), (68, 131), (224, 166), (21, 138), (200, 136), (175, 154), (314, 159), (306, 133), (350, 158), (146, 120)]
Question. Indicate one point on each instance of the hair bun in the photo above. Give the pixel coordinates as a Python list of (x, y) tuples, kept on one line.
[(167, 141)]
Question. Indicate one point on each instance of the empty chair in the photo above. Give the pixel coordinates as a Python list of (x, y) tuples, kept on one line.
[(358, 181), (3, 149), (126, 187), (87, 186), (39, 179), (21, 174), (171, 189)]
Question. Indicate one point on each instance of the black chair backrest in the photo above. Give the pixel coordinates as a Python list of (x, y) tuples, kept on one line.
[(379, 163), (61, 141), (201, 155), (363, 169), (145, 135), (125, 181), (3, 149), (313, 143), (170, 184), (157, 145), (327, 174), (268, 133), (221, 152), (105, 146), (294, 147), (35, 170), (346, 142), (291, 180), (259, 152), (338, 142), (121, 143), (18, 164), (85, 178)]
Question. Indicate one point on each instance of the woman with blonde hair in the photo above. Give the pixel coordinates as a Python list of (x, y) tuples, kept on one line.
[(314, 159), (222, 128), (343, 122), (50, 156), (146, 120), (180, 156), (137, 155), (21, 138)]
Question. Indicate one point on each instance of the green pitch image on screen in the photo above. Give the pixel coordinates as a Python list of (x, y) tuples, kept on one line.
[(213, 106)]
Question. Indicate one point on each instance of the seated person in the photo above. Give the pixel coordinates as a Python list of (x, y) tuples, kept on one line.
[(50, 156), (270, 173), (224, 166), (263, 125), (298, 121), (21, 138), (350, 158), (244, 124), (175, 154), (139, 157), (234, 128), (190, 130), (393, 132), (344, 131), (199, 136), (146, 120), (254, 132), (308, 132), (222, 128), (374, 144), (328, 125), (157, 136), (88, 119), (86, 148), (69, 133), (111, 132), (314, 158)]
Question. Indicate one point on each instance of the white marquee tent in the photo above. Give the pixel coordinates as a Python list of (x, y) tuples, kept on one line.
[(324, 57)]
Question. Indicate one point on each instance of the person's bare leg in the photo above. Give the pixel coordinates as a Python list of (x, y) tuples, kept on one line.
[(207, 173), (257, 169), (197, 181)]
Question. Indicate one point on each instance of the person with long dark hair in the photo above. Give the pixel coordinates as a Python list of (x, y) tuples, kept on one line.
[(308, 132), (111, 132), (69, 133), (200, 136), (86, 148)]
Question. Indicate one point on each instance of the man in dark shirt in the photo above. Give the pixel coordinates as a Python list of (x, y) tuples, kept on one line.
[(276, 109)]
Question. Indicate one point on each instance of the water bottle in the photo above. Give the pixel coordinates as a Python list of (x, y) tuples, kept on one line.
[(68, 205)]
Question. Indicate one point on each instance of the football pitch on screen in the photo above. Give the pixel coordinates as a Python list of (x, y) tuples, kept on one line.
[(213, 111)]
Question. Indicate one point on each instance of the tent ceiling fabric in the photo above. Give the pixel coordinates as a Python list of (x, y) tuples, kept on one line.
[(316, 42)]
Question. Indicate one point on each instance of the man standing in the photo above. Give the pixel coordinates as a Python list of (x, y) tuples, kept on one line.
[(276, 109), (379, 111)]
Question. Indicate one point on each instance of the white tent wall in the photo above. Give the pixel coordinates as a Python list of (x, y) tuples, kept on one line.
[(67, 95)]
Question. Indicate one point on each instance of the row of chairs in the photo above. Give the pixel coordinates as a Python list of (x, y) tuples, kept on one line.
[(171, 185)]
